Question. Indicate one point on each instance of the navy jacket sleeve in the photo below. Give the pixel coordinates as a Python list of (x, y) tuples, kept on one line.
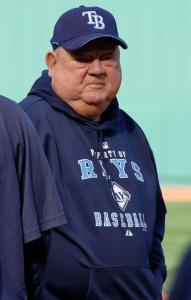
[(157, 256), (29, 202)]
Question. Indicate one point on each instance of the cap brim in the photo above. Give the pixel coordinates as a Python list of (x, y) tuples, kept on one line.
[(78, 42)]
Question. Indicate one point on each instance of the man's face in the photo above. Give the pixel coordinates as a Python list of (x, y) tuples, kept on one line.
[(87, 79)]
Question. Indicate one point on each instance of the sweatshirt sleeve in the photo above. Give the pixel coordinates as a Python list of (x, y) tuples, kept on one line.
[(41, 205), (158, 265)]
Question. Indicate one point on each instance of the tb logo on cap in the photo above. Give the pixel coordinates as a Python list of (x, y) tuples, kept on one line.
[(94, 19)]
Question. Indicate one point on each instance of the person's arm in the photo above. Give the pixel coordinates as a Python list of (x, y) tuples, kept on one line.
[(38, 189), (181, 288), (158, 265), (29, 201)]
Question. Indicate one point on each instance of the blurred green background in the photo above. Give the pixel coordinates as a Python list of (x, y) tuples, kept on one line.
[(156, 87)]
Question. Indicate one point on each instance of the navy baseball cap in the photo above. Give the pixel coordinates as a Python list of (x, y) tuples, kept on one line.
[(78, 26)]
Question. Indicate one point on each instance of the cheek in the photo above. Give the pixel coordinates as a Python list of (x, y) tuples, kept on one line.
[(70, 77), (115, 78), (62, 79), (114, 83), (66, 84)]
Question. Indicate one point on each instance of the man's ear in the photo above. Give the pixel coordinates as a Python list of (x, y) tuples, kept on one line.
[(51, 62)]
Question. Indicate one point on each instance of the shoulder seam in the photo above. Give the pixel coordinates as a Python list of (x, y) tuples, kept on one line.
[(28, 101)]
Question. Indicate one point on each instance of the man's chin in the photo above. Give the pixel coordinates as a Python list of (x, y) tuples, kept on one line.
[(97, 101)]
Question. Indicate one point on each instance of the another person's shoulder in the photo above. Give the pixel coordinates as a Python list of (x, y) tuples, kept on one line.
[(10, 110), (13, 119), (7, 105)]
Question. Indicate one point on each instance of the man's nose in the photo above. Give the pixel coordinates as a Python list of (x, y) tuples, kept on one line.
[(96, 67)]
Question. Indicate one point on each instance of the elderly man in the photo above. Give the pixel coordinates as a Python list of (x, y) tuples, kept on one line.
[(103, 167)]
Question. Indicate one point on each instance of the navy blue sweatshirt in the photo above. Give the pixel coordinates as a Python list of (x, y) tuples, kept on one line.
[(107, 180), (27, 191)]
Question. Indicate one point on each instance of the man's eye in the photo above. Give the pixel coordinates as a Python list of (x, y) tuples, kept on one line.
[(108, 57), (83, 59)]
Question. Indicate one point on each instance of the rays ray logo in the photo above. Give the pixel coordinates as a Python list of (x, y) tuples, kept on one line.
[(121, 196), (105, 146)]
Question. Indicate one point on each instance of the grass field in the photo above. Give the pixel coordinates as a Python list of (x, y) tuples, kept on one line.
[(177, 237)]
